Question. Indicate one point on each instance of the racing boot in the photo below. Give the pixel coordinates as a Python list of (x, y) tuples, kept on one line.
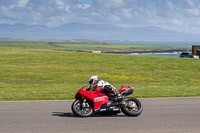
[(118, 97)]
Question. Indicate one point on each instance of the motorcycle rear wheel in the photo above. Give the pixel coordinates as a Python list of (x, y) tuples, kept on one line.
[(133, 108), (81, 110)]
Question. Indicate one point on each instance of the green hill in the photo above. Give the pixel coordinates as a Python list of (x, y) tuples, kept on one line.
[(44, 74)]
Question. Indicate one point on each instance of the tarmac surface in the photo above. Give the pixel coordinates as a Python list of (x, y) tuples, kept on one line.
[(160, 115)]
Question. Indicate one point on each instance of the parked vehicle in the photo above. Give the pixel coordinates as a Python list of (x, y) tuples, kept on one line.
[(186, 55), (95, 101)]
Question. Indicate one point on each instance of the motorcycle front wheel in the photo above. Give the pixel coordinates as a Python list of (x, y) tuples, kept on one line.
[(133, 107), (81, 109)]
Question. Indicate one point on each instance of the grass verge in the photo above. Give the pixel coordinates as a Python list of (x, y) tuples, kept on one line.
[(44, 74)]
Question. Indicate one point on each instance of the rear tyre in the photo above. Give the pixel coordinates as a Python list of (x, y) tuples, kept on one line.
[(133, 107), (81, 109)]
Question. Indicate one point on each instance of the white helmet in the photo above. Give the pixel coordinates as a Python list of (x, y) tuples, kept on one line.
[(93, 79)]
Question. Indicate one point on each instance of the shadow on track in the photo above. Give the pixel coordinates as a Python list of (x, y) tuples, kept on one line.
[(68, 114), (63, 114)]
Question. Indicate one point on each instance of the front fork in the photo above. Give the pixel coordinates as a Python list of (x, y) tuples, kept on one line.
[(85, 103)]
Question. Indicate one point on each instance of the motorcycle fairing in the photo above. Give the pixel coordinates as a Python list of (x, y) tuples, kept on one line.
[(97, 97), (107, 107)]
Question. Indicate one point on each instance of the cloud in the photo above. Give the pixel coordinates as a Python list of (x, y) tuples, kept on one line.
[(170, 5), (19, 4), (177, 22), (194, 11), (60, 4), (192, 3), (110, 3), (127, 13), (22, 3), (171, 14), (83, 6)]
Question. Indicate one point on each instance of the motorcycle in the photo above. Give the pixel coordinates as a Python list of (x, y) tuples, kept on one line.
[(88, 102)]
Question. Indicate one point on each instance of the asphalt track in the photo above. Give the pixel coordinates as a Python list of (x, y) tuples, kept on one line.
[(160, 115)]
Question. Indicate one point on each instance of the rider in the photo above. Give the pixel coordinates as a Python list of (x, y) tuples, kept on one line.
[(95, 82)]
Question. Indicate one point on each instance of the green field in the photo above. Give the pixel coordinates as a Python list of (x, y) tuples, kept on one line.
[(83, 47), (29, 74)]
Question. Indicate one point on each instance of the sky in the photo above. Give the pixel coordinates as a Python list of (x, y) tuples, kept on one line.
[(177, 15)]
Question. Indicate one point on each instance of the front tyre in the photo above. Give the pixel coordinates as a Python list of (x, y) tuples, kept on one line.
[(133, 107), (81, 108)]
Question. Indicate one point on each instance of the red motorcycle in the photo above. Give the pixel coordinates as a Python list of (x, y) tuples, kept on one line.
[(96, 101)]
